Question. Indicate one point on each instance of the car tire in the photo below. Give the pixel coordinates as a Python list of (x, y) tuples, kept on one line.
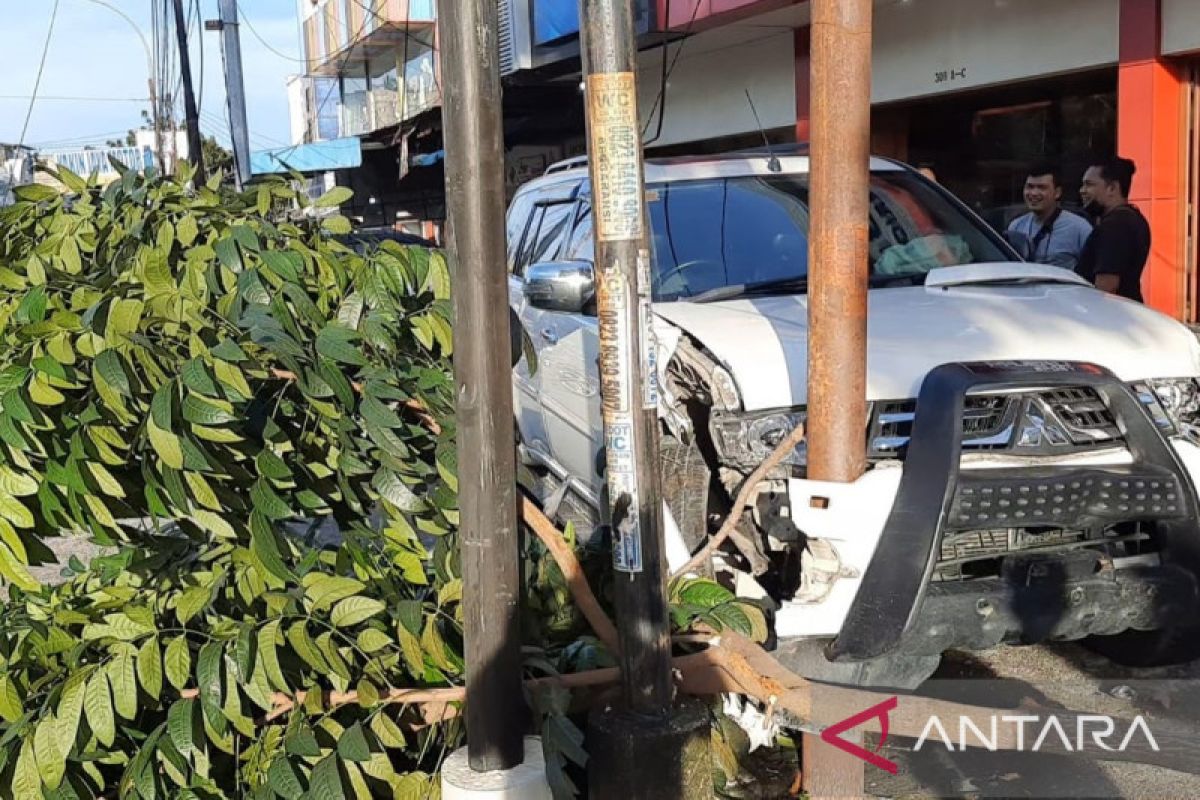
[(685, 481), (1161, 648)]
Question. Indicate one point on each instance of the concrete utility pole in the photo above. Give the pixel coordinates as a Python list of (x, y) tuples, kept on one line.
[(837, 293), (475, 201), (642, 750), (235, 92), (195, 150)]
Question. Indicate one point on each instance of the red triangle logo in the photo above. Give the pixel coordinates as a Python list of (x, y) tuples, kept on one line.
[(832, 734)]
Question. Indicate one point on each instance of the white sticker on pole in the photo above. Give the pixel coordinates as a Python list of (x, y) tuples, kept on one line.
[(649, 355), (614, 320), (615, 144), (624, 512)]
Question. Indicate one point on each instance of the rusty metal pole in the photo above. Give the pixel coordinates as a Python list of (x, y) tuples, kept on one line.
[(474, 140), (648, 748), (840, 120)]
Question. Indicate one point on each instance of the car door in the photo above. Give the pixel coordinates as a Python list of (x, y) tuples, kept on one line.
[(571, 386), (538, 221)]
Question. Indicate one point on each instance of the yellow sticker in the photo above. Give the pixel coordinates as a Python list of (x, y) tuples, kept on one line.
[(615, 144)]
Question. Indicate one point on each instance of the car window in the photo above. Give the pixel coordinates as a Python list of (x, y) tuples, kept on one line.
[(529, 238), (710, 233), (551, 230), (518, 220), (581, 247)]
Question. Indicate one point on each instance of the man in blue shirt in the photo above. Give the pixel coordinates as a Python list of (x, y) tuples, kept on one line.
[(1048, 234)]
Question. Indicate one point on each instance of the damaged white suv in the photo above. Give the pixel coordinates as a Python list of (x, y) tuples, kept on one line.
[(1031, 442)]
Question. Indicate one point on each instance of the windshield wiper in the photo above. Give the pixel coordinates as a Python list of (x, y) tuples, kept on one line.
[(793, 284)]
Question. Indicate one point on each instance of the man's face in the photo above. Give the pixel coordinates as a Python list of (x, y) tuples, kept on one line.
[(1096, 193), (1041, 194)]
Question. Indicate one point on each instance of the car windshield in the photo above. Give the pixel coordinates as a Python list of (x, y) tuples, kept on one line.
[(743, 231)]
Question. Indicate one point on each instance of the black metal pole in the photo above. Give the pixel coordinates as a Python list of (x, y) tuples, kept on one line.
[(627, 354), (475, 199), (195, 147)]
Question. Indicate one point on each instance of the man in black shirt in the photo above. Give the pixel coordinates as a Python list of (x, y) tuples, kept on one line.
[(1115, 254)]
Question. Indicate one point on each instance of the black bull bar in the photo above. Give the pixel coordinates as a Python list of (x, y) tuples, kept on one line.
[(932, 491)]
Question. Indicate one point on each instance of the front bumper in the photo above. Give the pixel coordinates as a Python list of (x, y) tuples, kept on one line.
[(895, 606)]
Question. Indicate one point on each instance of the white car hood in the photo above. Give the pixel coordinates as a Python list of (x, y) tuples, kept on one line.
[(763, 341)]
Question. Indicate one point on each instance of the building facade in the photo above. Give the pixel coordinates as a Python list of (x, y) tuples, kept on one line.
[(978, 90)]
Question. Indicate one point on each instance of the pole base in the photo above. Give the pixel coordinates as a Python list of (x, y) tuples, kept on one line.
[(633, 757), (527, 781)]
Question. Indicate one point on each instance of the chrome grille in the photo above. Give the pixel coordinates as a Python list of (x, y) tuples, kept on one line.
[(1078, 419)]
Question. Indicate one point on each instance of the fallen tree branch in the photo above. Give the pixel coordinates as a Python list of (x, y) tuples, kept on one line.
[(727, 529), (577, 583)]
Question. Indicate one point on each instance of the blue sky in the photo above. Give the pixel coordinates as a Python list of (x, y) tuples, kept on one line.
[(96, 54)]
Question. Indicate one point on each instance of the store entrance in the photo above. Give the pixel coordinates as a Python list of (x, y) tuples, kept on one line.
[(981, 144)]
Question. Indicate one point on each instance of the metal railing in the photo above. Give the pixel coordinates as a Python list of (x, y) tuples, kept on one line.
[(85, 162)]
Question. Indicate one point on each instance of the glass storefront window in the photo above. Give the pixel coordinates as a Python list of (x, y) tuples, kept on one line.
[(982, 143)]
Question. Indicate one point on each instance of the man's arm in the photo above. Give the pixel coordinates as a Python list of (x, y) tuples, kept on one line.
[(1108, 282), (1114, 255)]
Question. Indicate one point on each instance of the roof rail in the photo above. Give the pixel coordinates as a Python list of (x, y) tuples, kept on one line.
[(566, 164)]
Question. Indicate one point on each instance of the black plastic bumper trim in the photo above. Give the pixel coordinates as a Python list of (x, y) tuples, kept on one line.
[(894, 584)]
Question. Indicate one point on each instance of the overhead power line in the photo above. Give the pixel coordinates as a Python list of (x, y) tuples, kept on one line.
[(37, 83), (254, 32), (46, 97)]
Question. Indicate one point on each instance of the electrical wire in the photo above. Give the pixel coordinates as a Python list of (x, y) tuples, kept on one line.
[(45, 97), (267, 45), (37, 82), (200, 41), (660, 102)]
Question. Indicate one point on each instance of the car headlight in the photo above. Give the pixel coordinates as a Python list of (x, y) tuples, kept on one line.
[(745, 440), (1173, 404)]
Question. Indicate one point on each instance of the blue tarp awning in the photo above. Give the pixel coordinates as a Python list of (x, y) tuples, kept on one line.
[(316, 157)]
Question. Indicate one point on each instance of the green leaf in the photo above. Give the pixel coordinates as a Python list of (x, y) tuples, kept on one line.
[(302, 643), (178, 662), (283, 777), (186, 230), (14, 571), (243, 652), (150, 667), (123, 679), (10, 700), (302, 743), (334, 197), (166, 445), (372, 641), (325, 590), (705, 594), (388, 732), (352, 745), (180, 724), (246, 237), (51, 760), (337, 342), (268, 637), (15, 511), (35, 193), (354, 610), (97, 707), (26, 780), (264, 546), (208, 677), (70, 709), (192, 602), (268, 504), (325, 783)]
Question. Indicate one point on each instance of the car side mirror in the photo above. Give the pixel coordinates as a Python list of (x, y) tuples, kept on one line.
[(560, 285), (1020, 242)]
